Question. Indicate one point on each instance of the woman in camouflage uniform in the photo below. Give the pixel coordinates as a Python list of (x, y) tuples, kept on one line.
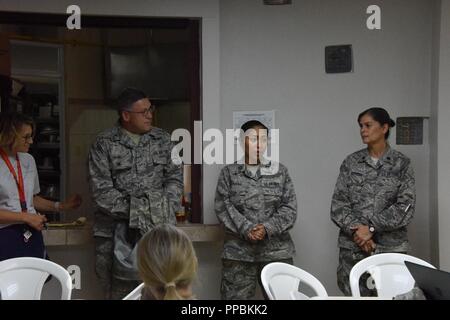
[(374, 199), (256, 203)]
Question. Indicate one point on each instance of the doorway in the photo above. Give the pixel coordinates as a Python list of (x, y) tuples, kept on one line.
[(89, 80)]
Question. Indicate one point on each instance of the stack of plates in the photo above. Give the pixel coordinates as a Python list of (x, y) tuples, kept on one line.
[(48, 130), (47, 164)]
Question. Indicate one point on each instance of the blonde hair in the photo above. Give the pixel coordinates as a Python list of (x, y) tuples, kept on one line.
[(167, 260), (10, 124)]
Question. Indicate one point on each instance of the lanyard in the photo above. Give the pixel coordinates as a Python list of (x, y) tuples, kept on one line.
[(17, 177)]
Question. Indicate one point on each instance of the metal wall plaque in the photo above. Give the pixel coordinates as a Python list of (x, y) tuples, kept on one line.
[(410, 130), (338, 59)]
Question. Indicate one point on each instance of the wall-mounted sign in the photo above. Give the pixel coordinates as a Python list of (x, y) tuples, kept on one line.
[(410, 130)]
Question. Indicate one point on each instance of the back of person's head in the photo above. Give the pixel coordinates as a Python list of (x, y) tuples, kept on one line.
[(10, 125), (167, 262), (128, 97)]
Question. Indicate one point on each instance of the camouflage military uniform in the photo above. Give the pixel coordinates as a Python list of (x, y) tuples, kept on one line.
[(381, 195), (414, 294), (242, 201), (135, 187)]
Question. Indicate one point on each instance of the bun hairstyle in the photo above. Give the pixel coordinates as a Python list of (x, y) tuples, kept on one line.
[(381, 116)]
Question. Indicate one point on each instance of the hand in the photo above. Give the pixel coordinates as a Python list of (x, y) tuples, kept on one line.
[(369, 246), (73, 202), (361, 234), (35, 221), (259, 231), (251, 236)]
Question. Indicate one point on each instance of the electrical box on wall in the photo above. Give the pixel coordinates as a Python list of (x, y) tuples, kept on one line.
[(338, 59), (410, 130)]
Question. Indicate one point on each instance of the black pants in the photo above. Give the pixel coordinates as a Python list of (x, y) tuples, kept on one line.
[(12, 244)]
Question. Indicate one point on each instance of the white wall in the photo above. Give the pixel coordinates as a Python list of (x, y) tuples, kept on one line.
[(443, 113), (273, 58)]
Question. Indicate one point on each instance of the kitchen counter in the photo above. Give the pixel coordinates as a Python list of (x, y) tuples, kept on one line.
[(82, 235), (198, 232), (68, 236)]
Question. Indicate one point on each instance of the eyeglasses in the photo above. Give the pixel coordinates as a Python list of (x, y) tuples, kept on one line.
[(28, 137), (146, 112)]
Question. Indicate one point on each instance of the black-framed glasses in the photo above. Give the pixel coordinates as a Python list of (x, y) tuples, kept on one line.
[(146, 112)]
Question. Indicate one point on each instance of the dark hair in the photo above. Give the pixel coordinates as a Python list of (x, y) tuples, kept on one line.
[(127, 97), (381, 116), (10, 124), (252, 124)]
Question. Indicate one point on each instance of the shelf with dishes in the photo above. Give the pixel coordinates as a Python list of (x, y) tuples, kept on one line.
[(47, 145), (50, 190), (51, 120), (48, 173), (47, 163), (47, 136), (39, 93)]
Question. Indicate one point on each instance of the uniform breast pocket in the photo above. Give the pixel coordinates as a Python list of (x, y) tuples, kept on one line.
[(356, 178), (159, 162), (238, 197), (388, 188), (245, 198), (122, 171), (272, 195), (356, 183), (156, 167), (121, 164), (357, 195)]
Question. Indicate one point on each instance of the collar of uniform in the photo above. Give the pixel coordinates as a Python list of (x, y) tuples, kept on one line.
[(387, 155), (242, 168), (119, 135), (385, 158), (264, 165)]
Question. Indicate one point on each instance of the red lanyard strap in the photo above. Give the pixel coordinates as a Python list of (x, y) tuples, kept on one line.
[(19, 179)]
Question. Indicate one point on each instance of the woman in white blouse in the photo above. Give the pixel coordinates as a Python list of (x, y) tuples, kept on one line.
[(20, 220)]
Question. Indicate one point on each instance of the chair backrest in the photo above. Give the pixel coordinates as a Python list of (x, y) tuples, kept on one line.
[(281, 281), (23, 278), (388, 271), (135, 294)]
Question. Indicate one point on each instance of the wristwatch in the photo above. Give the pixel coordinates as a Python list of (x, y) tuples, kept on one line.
[(371, 229)]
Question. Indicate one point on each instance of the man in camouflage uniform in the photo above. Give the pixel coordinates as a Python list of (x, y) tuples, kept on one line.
[(135, 186), (257, 205), (378, 195)]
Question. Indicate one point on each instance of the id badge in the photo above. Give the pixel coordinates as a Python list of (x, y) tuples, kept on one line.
[(27, 235)]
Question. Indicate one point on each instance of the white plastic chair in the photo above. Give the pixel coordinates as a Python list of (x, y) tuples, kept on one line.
[(135, 294), (23, 278), (389, 273), (281, 280)]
